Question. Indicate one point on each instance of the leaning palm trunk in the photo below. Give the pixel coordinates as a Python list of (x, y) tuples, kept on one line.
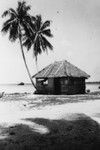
[(18, 19), (23, 55)]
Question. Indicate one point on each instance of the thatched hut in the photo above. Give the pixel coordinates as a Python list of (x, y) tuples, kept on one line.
[(61, 77)]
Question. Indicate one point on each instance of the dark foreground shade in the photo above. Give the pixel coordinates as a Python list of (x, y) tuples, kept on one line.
[(83, 133)]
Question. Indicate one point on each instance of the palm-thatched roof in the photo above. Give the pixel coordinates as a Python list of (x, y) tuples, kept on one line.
[(61, 69)]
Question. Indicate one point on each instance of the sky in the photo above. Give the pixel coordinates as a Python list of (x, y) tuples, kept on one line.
[(75, 25)]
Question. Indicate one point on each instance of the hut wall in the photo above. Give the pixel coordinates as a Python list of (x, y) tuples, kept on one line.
[(67, 86), (72, 85), (77, 85), (64, 85), (39, 85), (45, 88), (50, 86)]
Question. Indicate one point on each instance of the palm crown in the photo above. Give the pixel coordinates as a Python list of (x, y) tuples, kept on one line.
[(19, 19), (37, 38)]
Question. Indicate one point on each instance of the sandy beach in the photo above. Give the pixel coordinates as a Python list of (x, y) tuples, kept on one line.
[(28, 116)]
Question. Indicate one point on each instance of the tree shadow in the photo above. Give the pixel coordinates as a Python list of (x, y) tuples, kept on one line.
[(81, 133)]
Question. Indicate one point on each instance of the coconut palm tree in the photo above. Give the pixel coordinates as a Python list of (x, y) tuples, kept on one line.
[(38, 38), (17, 25)]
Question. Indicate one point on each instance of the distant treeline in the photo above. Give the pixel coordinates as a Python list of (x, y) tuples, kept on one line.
[(93, 82)]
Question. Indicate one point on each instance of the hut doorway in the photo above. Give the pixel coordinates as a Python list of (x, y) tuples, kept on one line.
[(57, 86)]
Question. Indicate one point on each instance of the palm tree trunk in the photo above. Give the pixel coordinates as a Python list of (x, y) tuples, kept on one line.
[(23, 55)]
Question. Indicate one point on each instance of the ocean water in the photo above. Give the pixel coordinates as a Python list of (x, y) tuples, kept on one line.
[(93, 87), (14, 88)]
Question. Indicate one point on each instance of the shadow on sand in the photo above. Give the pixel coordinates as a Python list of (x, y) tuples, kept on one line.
[(81, 133)]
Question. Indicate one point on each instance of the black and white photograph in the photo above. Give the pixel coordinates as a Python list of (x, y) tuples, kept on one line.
[(49, 74)]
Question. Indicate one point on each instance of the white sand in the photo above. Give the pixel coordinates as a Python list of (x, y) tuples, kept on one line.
[(15, 112)]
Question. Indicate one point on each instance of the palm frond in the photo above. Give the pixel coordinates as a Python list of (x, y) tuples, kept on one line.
[(28, 19), (45, 25), (37, 49), (22, 7), (38, 37), (27, 44), (47, 33), (12, 12), (38, 22), (33, 18), (7, 25), (25, 7), (46, 43), (42, 44), (27, 30), (13, 34), (6, 28), (19, 6), (5, 13), (28, 38)]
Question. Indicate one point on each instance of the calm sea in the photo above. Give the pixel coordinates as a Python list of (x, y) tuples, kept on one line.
[(93, 87), (14, 88)]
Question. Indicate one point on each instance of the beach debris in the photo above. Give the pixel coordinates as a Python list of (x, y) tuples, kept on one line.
[(88, 91), (21, 83)]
